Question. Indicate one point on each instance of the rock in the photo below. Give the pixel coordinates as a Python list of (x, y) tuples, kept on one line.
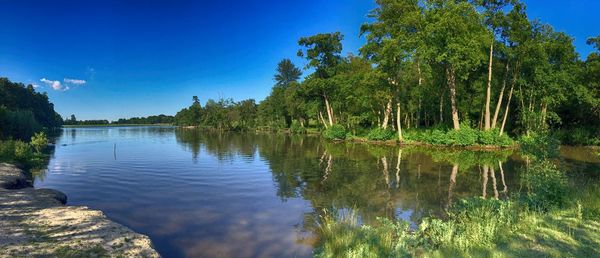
[(51, 193), (36, 223), (12, 177)]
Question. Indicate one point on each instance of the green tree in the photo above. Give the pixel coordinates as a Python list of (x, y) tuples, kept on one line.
[(322, 51)]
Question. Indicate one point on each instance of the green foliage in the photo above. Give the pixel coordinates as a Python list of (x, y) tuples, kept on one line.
[(23, 111), (578, 136), (296, 128), (492, 137), (466, 136), (380, 134), (472, 223), (39, 141), (539, 146), (547, 187), (335, 132)]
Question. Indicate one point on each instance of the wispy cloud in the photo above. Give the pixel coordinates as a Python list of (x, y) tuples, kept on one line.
[(56, 85), (35, 85), (75, 81)]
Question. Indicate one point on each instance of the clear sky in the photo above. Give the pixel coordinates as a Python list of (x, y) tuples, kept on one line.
[(112, 59)]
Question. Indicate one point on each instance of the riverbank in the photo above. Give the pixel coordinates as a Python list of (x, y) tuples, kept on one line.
[(36, 223)]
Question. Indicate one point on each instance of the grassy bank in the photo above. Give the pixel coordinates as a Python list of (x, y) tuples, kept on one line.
[(541, 222), (549, 216)]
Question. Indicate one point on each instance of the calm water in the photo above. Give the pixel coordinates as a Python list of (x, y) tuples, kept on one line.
[(199, 194)]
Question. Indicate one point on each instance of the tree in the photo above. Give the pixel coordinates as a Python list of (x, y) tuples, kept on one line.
[(454, 36), (323, 53), (494, 19), (287, 73)]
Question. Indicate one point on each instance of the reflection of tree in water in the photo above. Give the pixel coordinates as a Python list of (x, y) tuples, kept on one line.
[(362, 178), (223, 145)]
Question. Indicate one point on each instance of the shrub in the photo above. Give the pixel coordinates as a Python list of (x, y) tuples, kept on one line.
[(39, 141), (539, 146), (297, 128), (464, 137), (335, 132), (547, 187), (380, 134), (22, 151), (493, 137)]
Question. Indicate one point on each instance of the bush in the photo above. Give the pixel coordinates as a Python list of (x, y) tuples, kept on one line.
[(335, 132), (466, 136), (493, 137), (380, 134), (547, 187), (39, 141), (297, 128), (22, 151), (539, 146)]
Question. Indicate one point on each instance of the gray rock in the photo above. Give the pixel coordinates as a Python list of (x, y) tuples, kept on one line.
[(12, 177), (51, 193)]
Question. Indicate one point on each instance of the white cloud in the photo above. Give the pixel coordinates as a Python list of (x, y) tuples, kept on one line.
[(75, 81), (35, 86), (56, 85)]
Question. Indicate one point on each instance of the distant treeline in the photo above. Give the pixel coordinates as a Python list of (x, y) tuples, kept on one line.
[(159, 119), (23, 111), (437, 64)]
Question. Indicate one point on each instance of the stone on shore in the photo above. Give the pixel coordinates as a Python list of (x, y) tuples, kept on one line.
[(36, 223)]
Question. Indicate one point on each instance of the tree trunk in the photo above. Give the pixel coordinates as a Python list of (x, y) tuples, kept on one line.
[(510, 93), (329, 110), (499, 104), (452, 85), (442, 107), (420, 82), (489, 89), (386, 114), (323, 119), (398, 124)]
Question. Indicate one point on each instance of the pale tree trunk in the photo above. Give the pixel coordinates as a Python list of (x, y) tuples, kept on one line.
[(488, 92), (442, 107), (398, 124), (323, 119), (329, 110), (544, 111), (510, 93), (420, 82), (499, 104), (452, 85), (386, 114)]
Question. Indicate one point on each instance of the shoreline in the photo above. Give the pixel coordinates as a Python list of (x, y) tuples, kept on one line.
[(37, 222)]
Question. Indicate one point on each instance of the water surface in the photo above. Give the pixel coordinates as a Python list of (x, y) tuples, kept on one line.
[(203, 194)]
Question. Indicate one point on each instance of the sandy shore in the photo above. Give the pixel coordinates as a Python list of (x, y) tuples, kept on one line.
[(36, 223)]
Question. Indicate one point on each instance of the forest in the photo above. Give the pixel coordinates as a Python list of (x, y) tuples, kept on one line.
[(23, 111), (149, 120), (453, 72)]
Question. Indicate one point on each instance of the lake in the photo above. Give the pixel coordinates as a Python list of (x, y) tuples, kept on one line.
[(207, 194)]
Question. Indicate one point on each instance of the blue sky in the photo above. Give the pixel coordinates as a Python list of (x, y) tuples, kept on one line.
[(112, 59)]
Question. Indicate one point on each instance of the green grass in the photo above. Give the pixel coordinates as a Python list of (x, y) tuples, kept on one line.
[(546, 220)]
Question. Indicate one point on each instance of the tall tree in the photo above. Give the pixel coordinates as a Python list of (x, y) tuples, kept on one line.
[(323, 54), (454, 36)]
